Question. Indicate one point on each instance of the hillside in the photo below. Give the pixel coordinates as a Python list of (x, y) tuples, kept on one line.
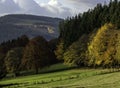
[(85, 55), (13, 26), (91, 39)]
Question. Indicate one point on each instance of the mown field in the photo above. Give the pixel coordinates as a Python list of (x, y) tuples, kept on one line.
[(72, 78)]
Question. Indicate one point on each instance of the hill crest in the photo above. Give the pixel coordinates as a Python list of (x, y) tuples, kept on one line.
[(15, 25)]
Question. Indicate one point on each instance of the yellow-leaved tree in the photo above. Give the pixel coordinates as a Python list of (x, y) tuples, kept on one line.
[(102, 50)]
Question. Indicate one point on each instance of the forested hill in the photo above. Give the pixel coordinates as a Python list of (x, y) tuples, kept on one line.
[(13, 26), (91, 38), (74, 27)]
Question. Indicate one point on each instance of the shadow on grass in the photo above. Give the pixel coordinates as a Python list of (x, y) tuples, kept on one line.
[(6, 85), (108, 72), (27, 73), (57, 70)]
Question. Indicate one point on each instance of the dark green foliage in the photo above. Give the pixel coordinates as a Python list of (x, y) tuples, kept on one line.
[(19, 42), (2, 66), (22, 41), (52, 44), (73, 28)]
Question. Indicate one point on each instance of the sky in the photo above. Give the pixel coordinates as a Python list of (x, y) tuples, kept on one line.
[(52, 8)]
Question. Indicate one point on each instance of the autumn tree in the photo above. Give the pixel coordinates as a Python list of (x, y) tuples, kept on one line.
[(102, 49), (60, 51), (13, 60), (36, 54), (76, 53)]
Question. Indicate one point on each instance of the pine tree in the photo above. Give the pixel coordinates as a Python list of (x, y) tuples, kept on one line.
[(3, 71)]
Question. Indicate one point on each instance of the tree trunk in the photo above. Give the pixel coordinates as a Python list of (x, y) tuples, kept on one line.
[(36, 70)]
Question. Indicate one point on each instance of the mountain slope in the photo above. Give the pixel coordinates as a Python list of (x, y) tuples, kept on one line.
[(13, 26)]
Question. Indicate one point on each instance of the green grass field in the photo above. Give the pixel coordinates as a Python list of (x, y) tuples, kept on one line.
[(72, 78)]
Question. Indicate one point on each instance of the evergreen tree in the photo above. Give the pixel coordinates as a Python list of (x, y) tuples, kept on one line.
[(73, 28), (3, 71)]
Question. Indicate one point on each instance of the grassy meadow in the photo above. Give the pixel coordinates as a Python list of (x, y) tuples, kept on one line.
[(72, 78)]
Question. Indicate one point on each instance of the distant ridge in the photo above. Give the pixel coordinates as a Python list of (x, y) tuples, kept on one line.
[(15, 25)]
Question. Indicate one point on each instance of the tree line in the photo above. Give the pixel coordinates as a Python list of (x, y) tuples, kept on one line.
[(26, 54), (73, 28), (92, 38)]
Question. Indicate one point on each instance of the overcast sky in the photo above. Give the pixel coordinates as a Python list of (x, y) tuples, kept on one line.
[(53, 8)]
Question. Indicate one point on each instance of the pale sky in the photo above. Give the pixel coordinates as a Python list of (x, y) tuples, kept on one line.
[(53, 8)]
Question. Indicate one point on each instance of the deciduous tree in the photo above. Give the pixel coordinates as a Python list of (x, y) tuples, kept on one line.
[(13, 60), (36, 54)]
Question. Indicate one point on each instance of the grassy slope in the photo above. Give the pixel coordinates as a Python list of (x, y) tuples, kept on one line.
[(76, 78)]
